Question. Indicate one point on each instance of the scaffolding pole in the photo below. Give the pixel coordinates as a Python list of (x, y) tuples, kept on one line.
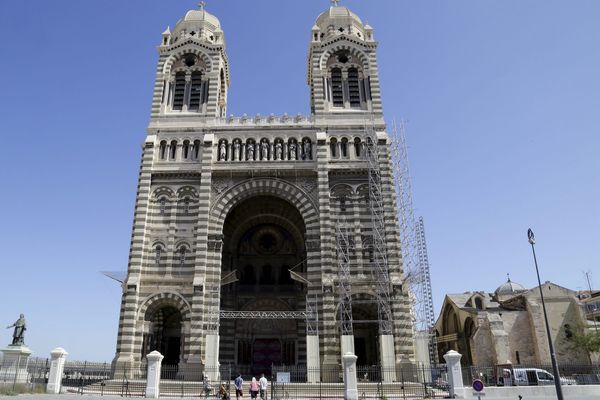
[(212, 324), (380, 267), (342, 242), (425, 307)]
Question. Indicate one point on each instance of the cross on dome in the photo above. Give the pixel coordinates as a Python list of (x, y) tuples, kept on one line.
[(202, 4), (335, 2)]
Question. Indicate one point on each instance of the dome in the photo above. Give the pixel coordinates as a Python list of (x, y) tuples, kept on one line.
[(201, 16), (338, 20), (509, 287), (200, 24), (337, 13)]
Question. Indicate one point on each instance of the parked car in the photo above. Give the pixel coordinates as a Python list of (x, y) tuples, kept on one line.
[(537, 376)]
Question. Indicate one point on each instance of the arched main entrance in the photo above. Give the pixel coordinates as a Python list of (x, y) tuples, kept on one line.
[(263, 237), (163, 333)]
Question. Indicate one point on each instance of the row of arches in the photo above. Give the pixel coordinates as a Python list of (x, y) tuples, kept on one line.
[(344, 148), (265, 150), (174, 151), (262, 150), (181, 254)]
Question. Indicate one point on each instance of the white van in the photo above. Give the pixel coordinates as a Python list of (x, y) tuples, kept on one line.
[(537, 376)]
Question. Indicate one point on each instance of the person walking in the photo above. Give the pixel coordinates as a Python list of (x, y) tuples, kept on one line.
[(239, 383), (253, 388), (263, 383)]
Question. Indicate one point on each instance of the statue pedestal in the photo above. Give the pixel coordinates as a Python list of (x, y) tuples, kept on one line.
[(14, 364)]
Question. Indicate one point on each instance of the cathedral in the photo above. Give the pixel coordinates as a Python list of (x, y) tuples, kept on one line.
[(266, 240)]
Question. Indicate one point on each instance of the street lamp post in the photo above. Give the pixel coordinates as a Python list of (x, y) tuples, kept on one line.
[(531, 238)]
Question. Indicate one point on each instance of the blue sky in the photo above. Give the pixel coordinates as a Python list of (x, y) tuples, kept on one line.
[(502, 100)]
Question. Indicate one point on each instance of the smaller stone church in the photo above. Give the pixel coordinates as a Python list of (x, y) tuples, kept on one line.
[(507, 326)]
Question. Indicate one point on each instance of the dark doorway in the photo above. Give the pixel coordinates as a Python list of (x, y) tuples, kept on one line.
[(267, 352), (164, 334)]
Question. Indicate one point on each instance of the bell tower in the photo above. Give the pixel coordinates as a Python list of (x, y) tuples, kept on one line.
[(193, 70), (342, 65)]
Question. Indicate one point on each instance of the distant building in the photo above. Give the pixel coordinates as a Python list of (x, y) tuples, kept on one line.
[(508, 325), (591, 304)]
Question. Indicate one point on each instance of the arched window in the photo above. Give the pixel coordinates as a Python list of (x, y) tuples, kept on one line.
[(344, 147), (181, 253), (162, 205), (337, 87), (333, 148), (158, 250), (196, 150), (353, 88), (179, 91), (173, 150), (162, 151), (357, 147), (478, 303), (343, 204), (186, 149), (186, 205), (196, 91)]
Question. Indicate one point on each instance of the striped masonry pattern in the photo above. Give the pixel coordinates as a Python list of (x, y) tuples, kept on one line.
[(180, 210)]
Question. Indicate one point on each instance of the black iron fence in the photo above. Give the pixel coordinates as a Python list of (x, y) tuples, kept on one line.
[(403, 382), (196, 381), (24, 375), (103, 378), (533, 374)]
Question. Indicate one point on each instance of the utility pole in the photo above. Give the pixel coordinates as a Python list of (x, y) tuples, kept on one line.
[(531, 239)]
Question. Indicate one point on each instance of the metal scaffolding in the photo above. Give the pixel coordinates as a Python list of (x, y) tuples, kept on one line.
[(380, 267), (412, 241), (342, 242), (214, 296), (263, 314), (424, 302)]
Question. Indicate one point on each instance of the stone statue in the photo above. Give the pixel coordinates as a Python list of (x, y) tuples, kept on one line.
[(293, 151), (19, 332), (236, 150), (264, 148), (250, 151), (223, 151), (278, 151), (307, 150)]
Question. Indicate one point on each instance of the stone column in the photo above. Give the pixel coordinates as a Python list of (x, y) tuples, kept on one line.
[(313, 358), (57, 365), (212, 356), (387, 357), (455, 379), (350, 381), (153, 377)]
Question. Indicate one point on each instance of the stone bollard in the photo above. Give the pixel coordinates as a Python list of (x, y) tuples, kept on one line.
[(455, 378), (153, 376), (350, 381), (57, 366)]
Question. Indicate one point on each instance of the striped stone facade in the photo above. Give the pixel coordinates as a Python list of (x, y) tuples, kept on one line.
[(207, 182)]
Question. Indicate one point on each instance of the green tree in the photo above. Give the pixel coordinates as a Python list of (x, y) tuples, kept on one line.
[(589, 342)]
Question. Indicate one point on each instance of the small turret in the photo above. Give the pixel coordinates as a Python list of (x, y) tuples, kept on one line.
[(193, 67), (342, 69)]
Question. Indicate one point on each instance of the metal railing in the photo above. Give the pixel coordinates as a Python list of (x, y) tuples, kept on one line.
[(24, 375), (374, 382)]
